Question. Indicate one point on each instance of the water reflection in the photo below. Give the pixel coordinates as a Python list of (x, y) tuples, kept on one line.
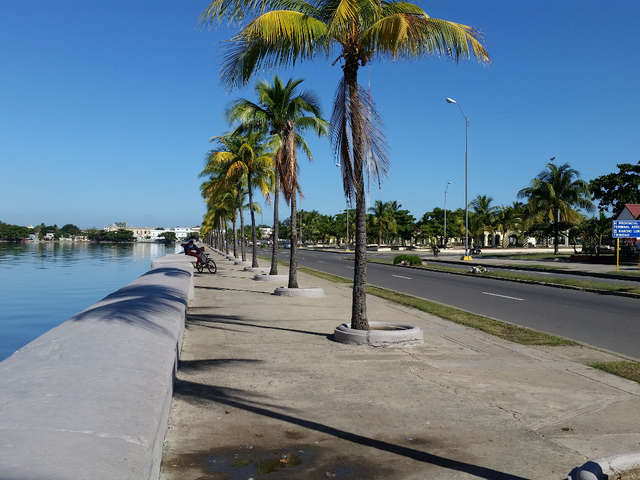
[(43, 284)]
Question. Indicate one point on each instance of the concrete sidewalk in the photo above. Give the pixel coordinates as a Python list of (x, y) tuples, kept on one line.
[(262, 393)]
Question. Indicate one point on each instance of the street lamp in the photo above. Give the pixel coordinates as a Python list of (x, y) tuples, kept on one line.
[(466, 179), (445, 212)]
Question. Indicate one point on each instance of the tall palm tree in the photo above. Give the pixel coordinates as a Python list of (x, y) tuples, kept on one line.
[(484, 216), (383, 218), (284, 113), (244, 158), (284, 33), (555, 194)]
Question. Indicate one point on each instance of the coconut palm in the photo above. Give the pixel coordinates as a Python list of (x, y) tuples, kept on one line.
[(383, 218), (244, 158), (554, 194), (285, 32), (484, 215), (285, 113)]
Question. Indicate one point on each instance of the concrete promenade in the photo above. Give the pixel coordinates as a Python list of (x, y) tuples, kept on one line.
[(261, 392)]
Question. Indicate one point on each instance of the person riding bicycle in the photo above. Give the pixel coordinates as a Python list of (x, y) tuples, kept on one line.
[(191, 249)]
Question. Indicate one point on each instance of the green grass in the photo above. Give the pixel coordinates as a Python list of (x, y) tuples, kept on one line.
[(507, 331), (535, 267), (324, 275), (626, 273), (622, 368), (528, 256), (547, 279)]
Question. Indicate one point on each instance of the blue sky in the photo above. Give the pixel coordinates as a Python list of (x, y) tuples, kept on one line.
[(106, 108)]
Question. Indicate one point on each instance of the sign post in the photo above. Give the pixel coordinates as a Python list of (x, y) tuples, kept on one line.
[(624, 229)]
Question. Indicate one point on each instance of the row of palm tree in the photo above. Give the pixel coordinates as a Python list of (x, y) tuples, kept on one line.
[(282, 33), (262, 152)]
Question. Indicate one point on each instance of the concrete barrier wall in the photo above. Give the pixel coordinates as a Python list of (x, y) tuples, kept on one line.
[(90, 398)]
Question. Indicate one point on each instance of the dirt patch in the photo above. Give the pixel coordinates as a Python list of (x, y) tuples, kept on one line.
[(308, 461), (630, 475)]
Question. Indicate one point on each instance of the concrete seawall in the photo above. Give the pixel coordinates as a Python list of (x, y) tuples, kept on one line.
[(90, 398)]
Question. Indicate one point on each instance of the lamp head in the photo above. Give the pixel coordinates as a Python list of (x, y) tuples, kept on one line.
[(450, 100)]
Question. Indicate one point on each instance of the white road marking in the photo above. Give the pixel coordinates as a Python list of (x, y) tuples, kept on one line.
[(503, 296), (402, 276)]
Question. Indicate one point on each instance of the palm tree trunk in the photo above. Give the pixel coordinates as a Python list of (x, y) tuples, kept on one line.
[(359, 302), (293, 260), (556, 236), (274, 247), (235, 237), (243, 241), (254, 259)]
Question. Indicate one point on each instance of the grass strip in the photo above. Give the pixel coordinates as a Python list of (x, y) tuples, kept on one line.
[(324, 275), (623, 368), (549, 280), (507, 331), (626, 273)]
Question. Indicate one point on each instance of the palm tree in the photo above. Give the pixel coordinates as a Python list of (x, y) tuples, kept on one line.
[(554, 194), (383, 218), (284, 33), (285, 114), (484, 215), (507, 220), (244, 158)]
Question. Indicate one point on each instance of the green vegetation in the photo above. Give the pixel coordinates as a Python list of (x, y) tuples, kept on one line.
[(119, 236), (169, 237), (622, 368), (615, 189), (554, 195), (529, 256), (627, 273), (546, 279), (407, 260), (13, 233)]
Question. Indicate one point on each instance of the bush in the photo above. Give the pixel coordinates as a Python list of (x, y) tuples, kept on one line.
[(407, 260)]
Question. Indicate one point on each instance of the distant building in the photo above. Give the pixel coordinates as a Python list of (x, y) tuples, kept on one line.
[(631, 211), (153, 234), (49, 236), (265, 233)]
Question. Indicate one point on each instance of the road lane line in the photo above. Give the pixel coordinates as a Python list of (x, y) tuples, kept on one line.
[(503, 296), (402, 276)]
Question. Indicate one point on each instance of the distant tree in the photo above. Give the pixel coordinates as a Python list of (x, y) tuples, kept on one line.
[(484, 216), (70, 230), (594, 232), (169, 237), (612, 191), (384, 220), (13, 233), (554, 195)]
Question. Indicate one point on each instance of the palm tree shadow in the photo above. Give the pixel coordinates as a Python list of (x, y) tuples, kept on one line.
[(226, 289), (192, 391), (236, 320)]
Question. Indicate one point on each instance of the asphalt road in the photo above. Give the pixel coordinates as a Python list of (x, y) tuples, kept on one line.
[(605, 321)]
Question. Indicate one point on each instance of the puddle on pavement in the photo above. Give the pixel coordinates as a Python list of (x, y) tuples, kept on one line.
[(299, 461)]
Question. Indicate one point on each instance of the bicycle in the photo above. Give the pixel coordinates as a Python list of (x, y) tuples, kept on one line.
[(208, 263)]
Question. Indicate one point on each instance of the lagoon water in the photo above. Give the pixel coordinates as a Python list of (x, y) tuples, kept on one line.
[(44, 284)]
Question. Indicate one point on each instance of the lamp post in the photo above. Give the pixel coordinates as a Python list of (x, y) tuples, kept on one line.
[(445, 213), (466, 179)]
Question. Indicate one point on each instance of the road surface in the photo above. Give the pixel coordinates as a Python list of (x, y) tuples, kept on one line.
[(606, 321)]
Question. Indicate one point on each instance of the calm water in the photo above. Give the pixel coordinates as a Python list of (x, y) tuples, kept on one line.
[(42, 285)]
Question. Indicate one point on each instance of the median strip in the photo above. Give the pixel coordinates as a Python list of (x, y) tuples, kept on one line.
[(499, 328), (632, 291)]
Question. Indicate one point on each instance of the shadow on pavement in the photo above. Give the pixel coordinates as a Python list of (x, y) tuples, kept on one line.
[(192, 390)]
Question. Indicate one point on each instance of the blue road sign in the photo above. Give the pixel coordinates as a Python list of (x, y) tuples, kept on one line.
[(626, 229)]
